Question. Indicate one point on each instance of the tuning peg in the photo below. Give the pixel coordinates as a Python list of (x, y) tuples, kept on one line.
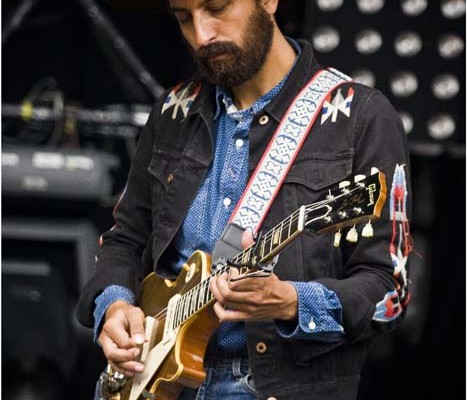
[(337, 238), (359, 177), (352, 235), (343, 184), (358, 180), (374, 170), (367, 230), (330, 196)]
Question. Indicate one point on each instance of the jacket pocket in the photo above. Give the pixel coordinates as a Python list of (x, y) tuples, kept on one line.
[(321, 170), (162, 169)]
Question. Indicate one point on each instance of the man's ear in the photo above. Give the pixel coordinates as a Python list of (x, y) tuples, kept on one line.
[(270, 6)]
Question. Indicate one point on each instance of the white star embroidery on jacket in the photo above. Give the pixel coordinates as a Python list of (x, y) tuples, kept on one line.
[(338, 103), (180, 99)]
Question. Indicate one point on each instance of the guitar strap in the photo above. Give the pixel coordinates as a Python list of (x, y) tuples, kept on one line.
[(277, 159)]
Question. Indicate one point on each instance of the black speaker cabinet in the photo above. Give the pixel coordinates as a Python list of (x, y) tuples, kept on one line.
[(44, 266)]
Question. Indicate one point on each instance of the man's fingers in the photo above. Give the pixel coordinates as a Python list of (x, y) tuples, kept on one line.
[(247, 239), (229, 314), (128, 368), (136, 320), (112, 329)]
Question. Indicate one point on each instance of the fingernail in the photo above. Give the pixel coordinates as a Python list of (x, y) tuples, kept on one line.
[(139, 368), (139, 339), (137, 351)]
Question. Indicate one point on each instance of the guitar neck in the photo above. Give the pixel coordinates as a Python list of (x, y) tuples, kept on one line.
[(268, 246)]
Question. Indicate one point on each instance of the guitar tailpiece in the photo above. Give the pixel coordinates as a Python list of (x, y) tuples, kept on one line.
[(111, 383)]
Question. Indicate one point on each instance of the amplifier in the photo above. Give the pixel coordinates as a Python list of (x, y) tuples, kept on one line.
[(56, 174)]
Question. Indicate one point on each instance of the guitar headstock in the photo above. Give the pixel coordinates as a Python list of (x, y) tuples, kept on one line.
[(348, 203)]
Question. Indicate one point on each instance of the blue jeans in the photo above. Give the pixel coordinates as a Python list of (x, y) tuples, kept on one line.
[(227, 378)]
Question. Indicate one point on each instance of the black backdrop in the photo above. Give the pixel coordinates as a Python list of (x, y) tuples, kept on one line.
[(54, 50)]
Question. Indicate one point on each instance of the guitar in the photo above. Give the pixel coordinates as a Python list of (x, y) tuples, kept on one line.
[(179, 315)]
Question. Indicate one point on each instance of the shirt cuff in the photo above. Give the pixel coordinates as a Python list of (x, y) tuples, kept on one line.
[(110, 295), (319, 315)]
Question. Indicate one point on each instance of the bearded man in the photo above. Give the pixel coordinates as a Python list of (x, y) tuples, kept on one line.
[(221, 168)]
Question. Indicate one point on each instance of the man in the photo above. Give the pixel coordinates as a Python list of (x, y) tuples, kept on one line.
[(303, 331)]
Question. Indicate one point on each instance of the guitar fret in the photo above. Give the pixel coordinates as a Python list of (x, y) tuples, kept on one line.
[(285, 231), (276, 236), (289, 227), (280, 231), (177, 314), (206, 293), (193, 301), (246, 256), (188, 303), (201, 295), (185, 310), (271, 243)]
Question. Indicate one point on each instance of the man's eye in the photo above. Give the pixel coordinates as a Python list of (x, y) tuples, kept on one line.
[(216, 10), (182, 17), (216, 7)]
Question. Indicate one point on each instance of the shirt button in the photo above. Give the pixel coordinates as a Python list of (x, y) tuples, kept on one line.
[(272, 398), (261, 347), (312, 325), (263, 120), (239, 143), (227, 202)]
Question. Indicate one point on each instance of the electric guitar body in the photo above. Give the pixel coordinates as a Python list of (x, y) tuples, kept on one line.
[(183, 366)]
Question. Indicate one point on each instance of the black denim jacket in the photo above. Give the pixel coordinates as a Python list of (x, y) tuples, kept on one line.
[(172, 159)]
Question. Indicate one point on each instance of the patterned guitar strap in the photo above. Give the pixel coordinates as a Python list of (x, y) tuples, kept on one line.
[(276, 161)]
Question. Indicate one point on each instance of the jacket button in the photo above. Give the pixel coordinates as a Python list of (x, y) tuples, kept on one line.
[(261, 347), (263, 120), (272, 398), (170, 178)]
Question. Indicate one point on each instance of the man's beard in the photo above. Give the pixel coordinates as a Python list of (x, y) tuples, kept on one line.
[(240, 63)]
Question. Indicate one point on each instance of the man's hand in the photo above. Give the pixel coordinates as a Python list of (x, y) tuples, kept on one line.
[(122, 336), (253, 298)]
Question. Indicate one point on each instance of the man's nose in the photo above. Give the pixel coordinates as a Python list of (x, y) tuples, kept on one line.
[(204, 30)]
